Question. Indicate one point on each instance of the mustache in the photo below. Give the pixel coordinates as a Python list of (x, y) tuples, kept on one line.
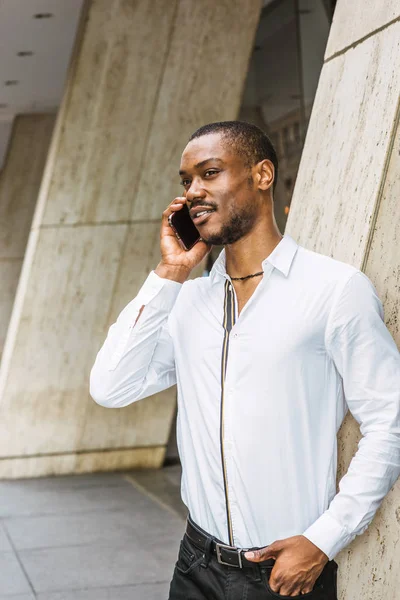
[(202, 204)]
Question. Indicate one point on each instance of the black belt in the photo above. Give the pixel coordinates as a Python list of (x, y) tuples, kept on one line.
[(226, 555)]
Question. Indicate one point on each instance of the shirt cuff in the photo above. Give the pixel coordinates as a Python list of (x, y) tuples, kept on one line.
[(153, 284), (328, 535)]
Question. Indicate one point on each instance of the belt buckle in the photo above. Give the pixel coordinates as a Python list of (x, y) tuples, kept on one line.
[(219, 558)]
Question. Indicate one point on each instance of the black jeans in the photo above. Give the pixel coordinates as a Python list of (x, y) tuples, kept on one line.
[(200, 577)]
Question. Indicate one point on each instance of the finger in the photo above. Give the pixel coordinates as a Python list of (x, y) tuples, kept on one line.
[(288, 590), (258, 555), (175, 205), (263, 553), (179, 200), (284, 588)]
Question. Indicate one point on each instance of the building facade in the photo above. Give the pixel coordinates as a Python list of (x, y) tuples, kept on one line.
[(142, 77)]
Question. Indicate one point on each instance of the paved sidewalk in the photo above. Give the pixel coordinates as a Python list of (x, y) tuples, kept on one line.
[(90, 537)]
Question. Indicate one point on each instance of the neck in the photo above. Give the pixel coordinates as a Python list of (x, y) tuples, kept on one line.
[(245, 256)]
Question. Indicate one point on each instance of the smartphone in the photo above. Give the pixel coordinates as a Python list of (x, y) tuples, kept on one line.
[(184, 228)]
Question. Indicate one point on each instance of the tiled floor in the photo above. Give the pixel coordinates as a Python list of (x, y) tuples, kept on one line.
[(90, 537)]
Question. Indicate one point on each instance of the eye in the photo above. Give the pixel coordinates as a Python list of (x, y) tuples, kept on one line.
[(185, 182), (211, 172)]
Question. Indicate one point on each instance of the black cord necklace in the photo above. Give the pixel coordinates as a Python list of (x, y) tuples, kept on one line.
[(247, 276)]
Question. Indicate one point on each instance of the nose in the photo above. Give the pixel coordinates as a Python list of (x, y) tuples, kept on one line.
[(195, 190)]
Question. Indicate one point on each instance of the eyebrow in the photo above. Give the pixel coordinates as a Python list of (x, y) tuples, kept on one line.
[(202, 163)]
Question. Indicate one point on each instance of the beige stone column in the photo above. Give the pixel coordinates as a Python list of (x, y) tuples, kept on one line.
[(346, 204), (143, 77), (19, 186)]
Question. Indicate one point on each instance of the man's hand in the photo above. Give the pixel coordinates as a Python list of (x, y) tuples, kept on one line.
[(176, 263), (298, 563)]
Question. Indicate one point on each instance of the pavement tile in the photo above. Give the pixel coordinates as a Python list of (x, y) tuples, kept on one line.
[(5, 545), (12, 578), (19, 498), (62, 482), (165, 485), (90, 537), (110, 528), (82, 567), (149, 591), (17, 597)]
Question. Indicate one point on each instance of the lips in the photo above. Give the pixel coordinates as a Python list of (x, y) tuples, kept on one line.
[(201, 214)]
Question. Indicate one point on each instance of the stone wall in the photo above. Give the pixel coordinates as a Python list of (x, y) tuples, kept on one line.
[(20, 180), (144, 75), (346, 205)]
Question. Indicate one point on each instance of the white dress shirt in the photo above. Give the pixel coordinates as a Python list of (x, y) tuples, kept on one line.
[(309, 344)]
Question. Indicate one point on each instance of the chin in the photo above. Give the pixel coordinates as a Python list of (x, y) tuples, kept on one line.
[(210, 236)]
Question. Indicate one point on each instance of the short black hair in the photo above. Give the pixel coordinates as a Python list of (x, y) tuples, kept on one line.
[(248, 140)]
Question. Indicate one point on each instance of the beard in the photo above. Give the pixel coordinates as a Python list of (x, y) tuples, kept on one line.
[(237, 226)]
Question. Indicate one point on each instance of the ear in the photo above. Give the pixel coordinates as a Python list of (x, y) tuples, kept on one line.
[(266, 174)]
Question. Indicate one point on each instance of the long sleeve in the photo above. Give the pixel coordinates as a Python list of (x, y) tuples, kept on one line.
[(368, 361), (137, 358)]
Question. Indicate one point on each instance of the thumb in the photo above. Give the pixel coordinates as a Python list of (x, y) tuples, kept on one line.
[(269, 551)]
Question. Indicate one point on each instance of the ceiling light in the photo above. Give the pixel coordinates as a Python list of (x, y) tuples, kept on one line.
[(25, 53), (43, 15), (11, 82)]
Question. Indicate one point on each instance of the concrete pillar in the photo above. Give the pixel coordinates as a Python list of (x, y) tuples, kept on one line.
[(143, 77), (346, 204), (19, 186)]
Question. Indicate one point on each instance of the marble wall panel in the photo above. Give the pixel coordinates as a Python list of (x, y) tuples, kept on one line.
[(346, 149), (151, 457), (141, 255), (383, 260), (9, 275), (368, 566), (60, 328), (78, 273), (110, 97), (346, 205), (19, 187), (143, 423), (20, 180), (354, 20), (148, 421), (202, 82)]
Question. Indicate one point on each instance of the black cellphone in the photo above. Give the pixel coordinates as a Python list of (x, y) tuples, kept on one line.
[(184, 228)]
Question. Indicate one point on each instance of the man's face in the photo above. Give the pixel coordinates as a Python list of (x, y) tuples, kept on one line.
[(217, 180)]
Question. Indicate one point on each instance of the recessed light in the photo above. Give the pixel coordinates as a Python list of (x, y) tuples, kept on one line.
[(43, 16), (25, 53), (11, 82)]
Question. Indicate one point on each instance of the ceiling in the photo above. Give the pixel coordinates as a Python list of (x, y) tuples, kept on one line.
[(33, 82), (37, 36)]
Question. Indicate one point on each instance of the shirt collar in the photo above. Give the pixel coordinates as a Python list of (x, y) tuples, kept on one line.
[(281, 258)]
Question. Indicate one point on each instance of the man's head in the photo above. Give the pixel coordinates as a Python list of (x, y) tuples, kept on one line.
[(229, 168)]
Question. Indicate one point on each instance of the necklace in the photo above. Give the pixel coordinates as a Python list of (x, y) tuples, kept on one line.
[(247, 276)]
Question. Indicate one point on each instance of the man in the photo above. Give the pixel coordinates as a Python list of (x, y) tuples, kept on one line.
[(268, 352)]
